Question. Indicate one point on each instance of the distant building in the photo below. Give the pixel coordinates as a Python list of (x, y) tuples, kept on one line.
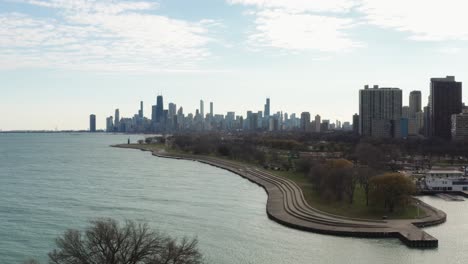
[(325, 125), (403, 129), (305, 121), (267, 108), (211, 110), (172, 110), (140, 112), (117, 120), (273, 124), (416, 124), (317, 123), (445, 101), (92, 123), (460, 126), (427, 122), (202, 108), (405, 112), (110, 124), (379, 111), (159, 113), (347, 126), (356, 124), (414, 103)]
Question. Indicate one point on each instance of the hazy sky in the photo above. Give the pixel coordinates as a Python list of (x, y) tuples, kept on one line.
[(61, 60)]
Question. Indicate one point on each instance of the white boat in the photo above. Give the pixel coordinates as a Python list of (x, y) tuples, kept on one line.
[(446, 180)]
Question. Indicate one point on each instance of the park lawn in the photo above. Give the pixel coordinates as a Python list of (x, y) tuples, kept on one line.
[(356, 210)]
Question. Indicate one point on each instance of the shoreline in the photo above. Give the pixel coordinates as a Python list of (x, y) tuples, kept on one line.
[(286, 205)]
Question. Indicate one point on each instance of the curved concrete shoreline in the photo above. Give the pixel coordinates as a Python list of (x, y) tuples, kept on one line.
[(286, 205)]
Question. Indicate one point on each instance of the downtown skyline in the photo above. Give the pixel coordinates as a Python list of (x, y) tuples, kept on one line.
[(234, 53)]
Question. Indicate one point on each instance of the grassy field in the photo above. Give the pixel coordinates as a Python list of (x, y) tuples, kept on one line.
[(358, 209)]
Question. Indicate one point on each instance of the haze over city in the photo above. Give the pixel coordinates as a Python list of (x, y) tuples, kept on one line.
[(62, 60)]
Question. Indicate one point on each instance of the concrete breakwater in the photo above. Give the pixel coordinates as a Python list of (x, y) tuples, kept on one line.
[(286, 205)]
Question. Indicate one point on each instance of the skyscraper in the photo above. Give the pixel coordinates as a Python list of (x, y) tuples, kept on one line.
[(211, 110), (356, 124), (379, 111), (159, 109), (267, 108), (140, 113), (117, 120), (109, 124), (445, 100), (92, 123), (317, 123), (172, 110), (305, 121), (202, 109), (414, 103), (405, 111)]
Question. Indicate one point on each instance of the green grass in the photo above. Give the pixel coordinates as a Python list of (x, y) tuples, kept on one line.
[(357, 209)]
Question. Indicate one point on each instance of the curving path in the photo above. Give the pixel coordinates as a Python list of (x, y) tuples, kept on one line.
[(286, 205)]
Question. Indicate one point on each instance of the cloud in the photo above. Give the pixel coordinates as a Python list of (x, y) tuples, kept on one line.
[(301, 25), (105, 35), (450, 50), (424, 20), (298, 32), (300, 5)]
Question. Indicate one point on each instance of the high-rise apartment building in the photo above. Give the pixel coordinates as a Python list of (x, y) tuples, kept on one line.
[(317, 123), (305, 121), (460, 126), (414, 103), (445, 101), (356, 124), (110, 124), (92, 123), (379, 111)]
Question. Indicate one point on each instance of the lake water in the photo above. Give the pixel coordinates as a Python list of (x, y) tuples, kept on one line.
[(51, 182)]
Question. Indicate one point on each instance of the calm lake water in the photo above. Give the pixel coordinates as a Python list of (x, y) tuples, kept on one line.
[(51, 182)]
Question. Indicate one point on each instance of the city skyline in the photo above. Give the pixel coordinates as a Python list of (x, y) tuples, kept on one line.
[(60, 59)]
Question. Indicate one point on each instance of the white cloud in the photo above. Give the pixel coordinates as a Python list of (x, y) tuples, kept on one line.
[(426, 20), (298, 32), (300, 25), (450, 50), (300, 5), (106, 35)]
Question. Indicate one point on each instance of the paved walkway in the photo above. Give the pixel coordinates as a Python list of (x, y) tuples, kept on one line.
[(286, 205)]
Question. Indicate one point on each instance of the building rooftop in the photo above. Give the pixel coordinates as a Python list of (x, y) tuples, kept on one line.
[(445, 172)]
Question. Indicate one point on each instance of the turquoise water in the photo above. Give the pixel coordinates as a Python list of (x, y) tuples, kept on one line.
[(51, 182)]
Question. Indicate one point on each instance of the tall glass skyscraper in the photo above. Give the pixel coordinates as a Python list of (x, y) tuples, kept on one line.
[(445, 100)]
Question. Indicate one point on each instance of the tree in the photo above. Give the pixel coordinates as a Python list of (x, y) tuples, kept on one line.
[(365, 175), (105, 241), (370, 155), (391, 189)]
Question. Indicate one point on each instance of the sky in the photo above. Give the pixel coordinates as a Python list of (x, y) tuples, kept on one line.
[(62, 60)]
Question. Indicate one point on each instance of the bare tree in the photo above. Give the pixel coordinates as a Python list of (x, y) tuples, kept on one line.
[(31, 261), (107, 242)]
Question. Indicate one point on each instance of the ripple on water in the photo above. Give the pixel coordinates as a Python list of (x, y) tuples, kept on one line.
[(50, 182)]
